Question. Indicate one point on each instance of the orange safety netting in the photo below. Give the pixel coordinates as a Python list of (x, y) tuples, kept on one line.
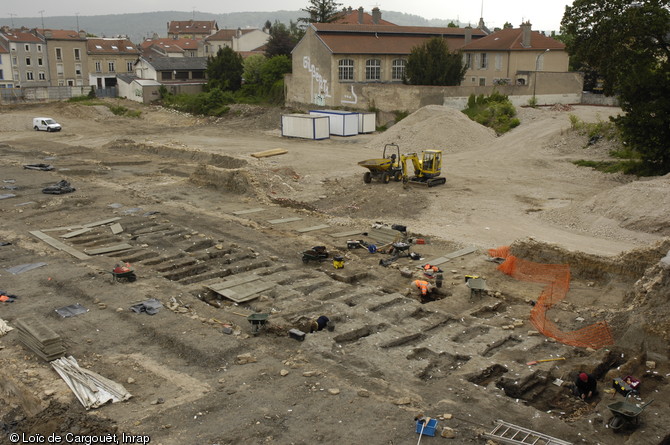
[(557, 280)]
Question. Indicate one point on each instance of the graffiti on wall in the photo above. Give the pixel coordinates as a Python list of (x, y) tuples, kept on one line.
[(322, 88), (350, 98)]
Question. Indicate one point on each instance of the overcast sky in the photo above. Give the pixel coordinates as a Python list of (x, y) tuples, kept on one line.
[(544, 15)]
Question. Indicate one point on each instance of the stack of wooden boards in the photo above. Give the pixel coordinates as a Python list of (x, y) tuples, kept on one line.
[(40, 339)]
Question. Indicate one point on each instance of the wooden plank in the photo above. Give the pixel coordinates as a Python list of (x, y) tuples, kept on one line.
[(116, 228), (284, 220), (244, 212), (310, 229), (451, 256), (103, 222), (384, 235), (246, 292), (59, 245), (216, 287), (76, 233), (110, 249), (343, 234), (267, 153), (60, 229)]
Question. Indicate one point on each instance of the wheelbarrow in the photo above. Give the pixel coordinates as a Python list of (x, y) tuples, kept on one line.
[(257, 322), (384, 168), (625, 412), (316, 253), (121, 272)]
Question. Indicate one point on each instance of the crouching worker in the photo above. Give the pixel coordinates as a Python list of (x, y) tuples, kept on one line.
[(424, 288), (585, 386)]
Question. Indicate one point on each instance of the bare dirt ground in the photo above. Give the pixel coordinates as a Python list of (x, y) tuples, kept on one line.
[(198, 210)]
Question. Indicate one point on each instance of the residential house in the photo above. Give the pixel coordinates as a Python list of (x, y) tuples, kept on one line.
[(108, 57), (178, 74), (170, 47), (332, 62), (67, 56), (6, 80), (512, 56), (28, 57), (244, 41), (191, 29)]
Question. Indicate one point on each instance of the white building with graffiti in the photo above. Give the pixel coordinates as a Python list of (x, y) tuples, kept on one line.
[(333, 62)]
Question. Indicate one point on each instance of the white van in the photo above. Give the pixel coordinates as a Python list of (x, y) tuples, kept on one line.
[(45, 123)]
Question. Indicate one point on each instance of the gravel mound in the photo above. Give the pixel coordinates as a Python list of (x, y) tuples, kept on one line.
[(435, 127)]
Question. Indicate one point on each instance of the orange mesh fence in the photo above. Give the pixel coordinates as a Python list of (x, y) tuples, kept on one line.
[(557, 280)]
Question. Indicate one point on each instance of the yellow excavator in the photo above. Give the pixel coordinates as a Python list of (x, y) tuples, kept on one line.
[(427, 168)]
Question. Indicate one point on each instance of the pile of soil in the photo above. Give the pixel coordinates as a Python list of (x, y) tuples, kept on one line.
[(435, 127)]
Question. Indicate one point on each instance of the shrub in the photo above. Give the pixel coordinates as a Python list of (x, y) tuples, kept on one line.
[(494, 111)]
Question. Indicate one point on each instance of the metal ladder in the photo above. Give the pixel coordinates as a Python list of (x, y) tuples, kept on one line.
[(512, 434)]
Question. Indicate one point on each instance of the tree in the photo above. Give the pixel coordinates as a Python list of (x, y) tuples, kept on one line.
[(628, 44), (252, 69), (433, 64), (321, 11), (452, 25), (281, 42), (508, 25), (225, 70)]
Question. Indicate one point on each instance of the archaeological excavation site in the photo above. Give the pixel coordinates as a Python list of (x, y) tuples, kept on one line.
[(171, 279)]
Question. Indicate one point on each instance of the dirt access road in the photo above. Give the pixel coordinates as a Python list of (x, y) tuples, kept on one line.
[(197, 210)]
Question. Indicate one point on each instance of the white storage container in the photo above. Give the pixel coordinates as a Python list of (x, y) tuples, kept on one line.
[(367, 122), (342, 123), (305, 126)]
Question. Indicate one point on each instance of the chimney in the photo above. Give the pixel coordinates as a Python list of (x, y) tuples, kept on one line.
[(360, 15), (238, 34), (48, 34), (82, 34), (376, 15), (525, 34), (468, 34)]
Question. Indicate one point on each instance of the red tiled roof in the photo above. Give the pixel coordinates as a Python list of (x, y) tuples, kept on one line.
[(61, 34), (111, 46), (351, 17), (511, 39), (3, 50), (182, 44), (192, 26), (385, 39), (227, 34), (392, 29), (19, 35)]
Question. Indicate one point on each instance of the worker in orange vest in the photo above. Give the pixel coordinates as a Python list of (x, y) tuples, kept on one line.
[(423, 286)]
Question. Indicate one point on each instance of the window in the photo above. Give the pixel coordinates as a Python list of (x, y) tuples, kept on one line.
[(77, 54), (27, 61), (70, 82), (29, 75), (483, 61), (129, 67), (39, 48), (61, 83), (482, 81), (15, 61), (40, 62), (398, 69), (2, 77), (110, 65), (166, 75), (98, 67), (59, 69), (373, 69), (198, 75), (41, 76), (468, 60), (498, 62), (27, 47), (77, 69), (59, 54), (345, 69)]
